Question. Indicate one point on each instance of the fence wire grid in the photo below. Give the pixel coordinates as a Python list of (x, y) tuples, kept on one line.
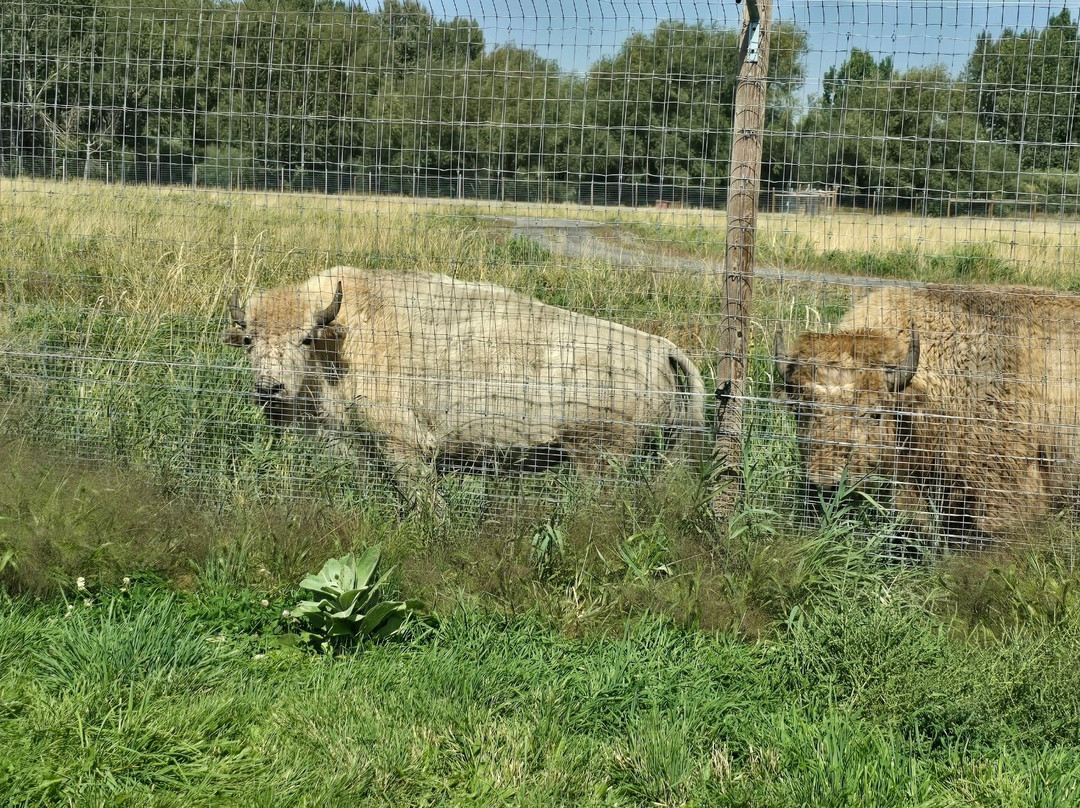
[(470, 256)]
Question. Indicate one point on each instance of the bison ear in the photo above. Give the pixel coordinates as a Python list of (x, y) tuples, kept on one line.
[(782, 365), (236, 337)]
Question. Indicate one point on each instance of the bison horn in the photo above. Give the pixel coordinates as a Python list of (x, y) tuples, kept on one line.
[(235, 309), (897, 379), (781, 361), (330, 313)]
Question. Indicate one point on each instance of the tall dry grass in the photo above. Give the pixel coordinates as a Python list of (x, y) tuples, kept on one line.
[(171, 250), (163, 251)]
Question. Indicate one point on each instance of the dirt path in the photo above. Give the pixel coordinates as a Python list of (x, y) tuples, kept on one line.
[(583, 239)]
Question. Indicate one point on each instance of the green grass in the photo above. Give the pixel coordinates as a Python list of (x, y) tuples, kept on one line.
[(644, 658), (964, 262), (863, 695)]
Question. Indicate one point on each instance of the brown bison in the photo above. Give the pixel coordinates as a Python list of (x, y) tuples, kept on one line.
[(448, 374), (964, 399)]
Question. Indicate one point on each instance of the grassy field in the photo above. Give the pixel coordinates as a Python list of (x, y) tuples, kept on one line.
[(771, 669), (1041, 252), (603, 643)]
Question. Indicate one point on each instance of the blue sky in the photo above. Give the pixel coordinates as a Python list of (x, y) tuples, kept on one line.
[(576, 33)]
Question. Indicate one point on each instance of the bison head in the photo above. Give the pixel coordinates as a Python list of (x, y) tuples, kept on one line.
[(293, 342), (847, 391)]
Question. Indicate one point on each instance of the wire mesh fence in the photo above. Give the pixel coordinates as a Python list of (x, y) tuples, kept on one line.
[(532, 205)]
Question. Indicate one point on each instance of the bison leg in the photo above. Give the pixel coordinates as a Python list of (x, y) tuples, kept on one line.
[(410, 449)]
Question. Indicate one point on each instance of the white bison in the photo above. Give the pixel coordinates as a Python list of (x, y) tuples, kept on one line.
[(451, 374), (965, 398)]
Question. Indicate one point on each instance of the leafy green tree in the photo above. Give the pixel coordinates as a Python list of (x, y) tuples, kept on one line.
[(415, 40), (667, 96), (783, 109), (843, 86), (524, 111), (308, 87), (47, 52), (1027, 90), (316, 76), (910, 139)]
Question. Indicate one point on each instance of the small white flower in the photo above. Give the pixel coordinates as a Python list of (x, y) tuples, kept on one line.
[(264, 603), (126, 581), (71, 608), (286, 614), (80, 584), (87, 603)]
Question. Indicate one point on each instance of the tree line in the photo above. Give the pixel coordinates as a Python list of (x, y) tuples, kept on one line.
[(1005, 128), (291, 93)]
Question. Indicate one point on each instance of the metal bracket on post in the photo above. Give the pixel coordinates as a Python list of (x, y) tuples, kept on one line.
[(753, 39)]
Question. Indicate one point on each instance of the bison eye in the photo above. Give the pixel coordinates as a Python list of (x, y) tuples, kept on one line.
[(247, 340), (307, 340)]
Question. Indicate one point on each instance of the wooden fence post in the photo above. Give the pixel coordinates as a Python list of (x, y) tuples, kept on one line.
[(748, 126)]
